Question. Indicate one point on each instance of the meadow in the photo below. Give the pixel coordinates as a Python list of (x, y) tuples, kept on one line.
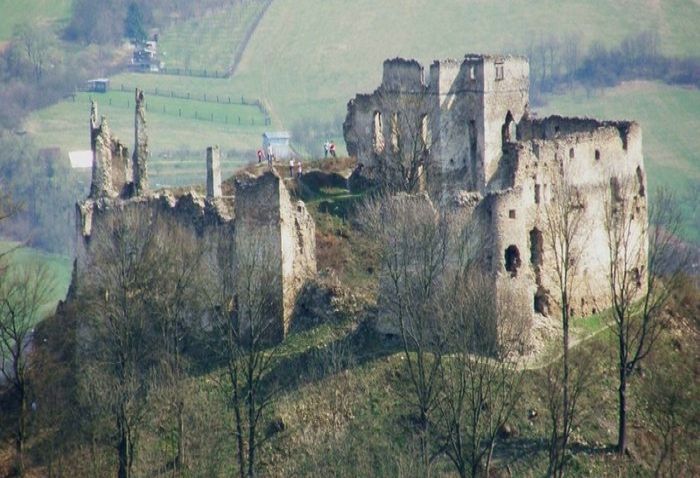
[(13, 12), (59, 267), (179, 129), (308, 58)]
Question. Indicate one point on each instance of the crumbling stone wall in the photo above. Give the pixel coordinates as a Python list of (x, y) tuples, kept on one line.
[(260, 214), (506, 166), (461, 109)]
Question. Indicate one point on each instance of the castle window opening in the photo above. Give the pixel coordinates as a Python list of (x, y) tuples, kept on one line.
[(425, 134), (472, 139), (536, 247), (472, 72), (512, 260), (615, 191), (395, 132), (511, 214), (597, 154), (499, 71), (571, 153), (508, 129), (640, 181), (537, 193), (541, 303), (378, 133)]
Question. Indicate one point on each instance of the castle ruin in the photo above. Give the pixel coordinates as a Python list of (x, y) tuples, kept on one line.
[(260, 210), (476, 136)]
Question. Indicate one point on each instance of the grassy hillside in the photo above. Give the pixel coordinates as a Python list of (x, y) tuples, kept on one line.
[(210, 42), (309, 57), (59, 266), (13, 12), (669, 120)]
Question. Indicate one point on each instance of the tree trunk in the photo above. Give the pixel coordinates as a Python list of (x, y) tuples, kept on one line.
[(123, 451), (489, 457), (424, 441), (21, 426), (622, 412), (180, 437)]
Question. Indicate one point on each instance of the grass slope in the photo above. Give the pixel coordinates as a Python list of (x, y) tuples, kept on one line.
[(209, 42), (59, 266), (13, 12), (669, 119)]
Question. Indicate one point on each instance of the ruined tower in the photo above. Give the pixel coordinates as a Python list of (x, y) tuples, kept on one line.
[(140, 157), (213, 172), (465, 112)]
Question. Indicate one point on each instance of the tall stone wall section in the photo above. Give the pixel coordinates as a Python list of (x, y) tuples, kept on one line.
[(260, 216), (465, 104)]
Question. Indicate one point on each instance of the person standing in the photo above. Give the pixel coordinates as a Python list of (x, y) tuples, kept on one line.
[(291, 167), (269, 155), (260, 155), (332, 149), (326, 147), (299, 169)]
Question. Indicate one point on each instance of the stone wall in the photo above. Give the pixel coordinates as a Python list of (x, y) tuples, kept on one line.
[(508, 168), (260, 217), (463, 106)]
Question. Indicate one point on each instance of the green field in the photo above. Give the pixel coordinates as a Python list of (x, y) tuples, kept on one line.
[(209, 42), (174, 124), (13, 12), (670, 122), (60, 267), (308, 58)]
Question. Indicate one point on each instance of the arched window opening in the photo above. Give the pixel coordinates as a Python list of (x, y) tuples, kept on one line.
[(536, 247), (508, 129), (597, 154), (395, 132), (377, 133), (571, 153), (512, 259)]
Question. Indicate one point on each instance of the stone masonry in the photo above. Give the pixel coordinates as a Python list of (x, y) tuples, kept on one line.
[(488, 148), (260, 212)]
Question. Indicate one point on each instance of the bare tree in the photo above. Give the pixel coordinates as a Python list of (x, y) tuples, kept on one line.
[(642, 276), (564, 236), (247, 302), (24, 292), (404, 162), (413, 243), (668, 394), (580, 380), (119, 337), (481, 378), (177, 306)]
